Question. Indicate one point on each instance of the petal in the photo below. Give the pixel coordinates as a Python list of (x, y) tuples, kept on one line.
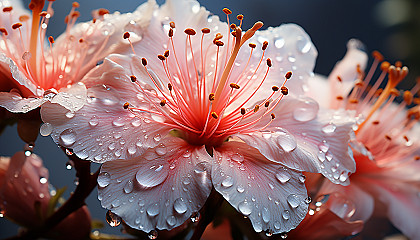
[(305, 139), (18, 76), (160, 189), (13, 102), (317, 86), (272, 196), (72, 97)]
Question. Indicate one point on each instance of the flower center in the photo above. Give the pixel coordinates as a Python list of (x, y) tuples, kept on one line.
[(204, 92)]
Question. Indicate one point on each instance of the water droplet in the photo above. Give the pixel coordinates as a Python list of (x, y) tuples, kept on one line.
[(286, 141), (200, 167), (343, 177), (180, 206), (269, 233), (93, 121), (135, 29), (70, 114), (118, 122), (266, 134), (240, 189), (153, 234), (279, 42), (302, 178), (136, 122), (291, 58), (308, 200), (324, 146), (277, 225), (45, 129), (227, 182), (329, 128), (157, 137), (329, 156), (245, 208), (321, 156), (69, 165), (266, 215), (2, 212), (112, 219), (152, 176), (131, 150), (128, 188), (293, 200), (153, 210), (161, 149), (171, 221), (285, 214), (306, 110), (237, 157), (303, 45), (195, 217), (283, 175), (26, 56), (108, 29), (43, 180), (104, 179), (283, 235), (67, 137)]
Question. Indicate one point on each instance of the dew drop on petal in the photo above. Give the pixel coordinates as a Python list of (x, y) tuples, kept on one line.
[(283, 175), (302, 178), (67, 137), (240, 189), (329, 128), (118, 122), (108, 29), (237, 157), (180, 206), (285, 214), (293, 200), (94, 121), (128, 188), (104, 179), (279, 42), (305, 110), (135, 29), (70, 114), (286, 141), (152, 176), (153, 210), (45, 129), (324, 146), (200, 167), (153, 234), (265, 213), (303, 45), (171, 220), (245, 208), (227, 182), (112, 219), (161, 149)]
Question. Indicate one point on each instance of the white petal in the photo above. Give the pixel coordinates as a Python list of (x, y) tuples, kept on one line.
[(72, 98), (160, 189), (272, 196)]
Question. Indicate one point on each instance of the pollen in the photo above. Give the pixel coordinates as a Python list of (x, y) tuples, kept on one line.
[(256, 108)]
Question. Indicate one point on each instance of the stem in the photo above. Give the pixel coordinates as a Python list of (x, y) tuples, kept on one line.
[(87, 182), (208, 212)]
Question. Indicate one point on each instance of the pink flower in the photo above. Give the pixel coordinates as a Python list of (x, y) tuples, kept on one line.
[(36, 70), (386, 147), (25, 197), (194, 110)]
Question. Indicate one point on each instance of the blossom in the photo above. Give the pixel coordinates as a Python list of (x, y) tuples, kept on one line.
[(190, 109), (26, 198), (36, 69), (386, 148)]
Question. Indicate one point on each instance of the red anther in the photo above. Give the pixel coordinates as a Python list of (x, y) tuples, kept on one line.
[(103, 11), (388, 137), (275, 88), (190, 31), (172, 24), (126, 35), (163, 102), (339, 98), (42, 14), (339, 79), (219, 43), (385, 66), (284, 90), (214, 115), (211, 96), (166, 54), (227, 11), (265, 45), (377, 55), (256, 108), (76, 4), (288, 75), (273, 116), (133, 78), (233, 26), (3, 31), (243, 111), (81, 40), (205, 30), (240, 17), (75, 14), (161, 57), (269, 64), (144, 61), (170, 87), (16, 26), (126, 105), (266, 104), (7, 9), (24, 18), (171, 33), (252, 45), (234, 85), (375, 122), (51, 39)]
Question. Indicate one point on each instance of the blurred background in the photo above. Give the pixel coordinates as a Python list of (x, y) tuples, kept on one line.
[(390, 26)]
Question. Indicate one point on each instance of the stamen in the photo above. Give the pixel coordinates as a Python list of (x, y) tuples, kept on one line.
[(284, 90), (163, 103), (133, 78), (214, 115), (126, 105), (36, 6)]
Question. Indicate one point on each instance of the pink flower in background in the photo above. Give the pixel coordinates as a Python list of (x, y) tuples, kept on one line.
[(386, 147), (35, 68), (203, 104), (25, 197)]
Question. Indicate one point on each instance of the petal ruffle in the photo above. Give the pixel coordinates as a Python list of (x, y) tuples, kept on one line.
[(13, 102), (305, 139), (160, 189), (272, 196)]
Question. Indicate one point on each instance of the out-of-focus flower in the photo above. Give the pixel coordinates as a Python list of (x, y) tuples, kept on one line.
[(194, 109), (26, 199), (386, 147), (35, 69)]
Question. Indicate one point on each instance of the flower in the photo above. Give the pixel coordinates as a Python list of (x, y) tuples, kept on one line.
[(35, 70), (192, 110), (386, 148), (26, 199)]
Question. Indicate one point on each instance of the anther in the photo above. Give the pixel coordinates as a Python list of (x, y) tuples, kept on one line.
[(395, 92), (171, 33), (211, 96), (284, 90), (252, 45), (51, 39), (340, 98), (233, 26), (76, 4), (126, 35), (417, 158), (218, 37), (234, 85), (377, 55), (339, 79), (406, 138), (266, 104), (408, 97), (243, 111), (205, 30), (376, 122), (144, 61), (388, 137), (103, 11), (358, 83), (233, 33), (227, 11), (166, 54), (354, 101), (256, 108), (16, 26), (42, 14), (7, 9), (265, 45), (3, 31), (190, 31), (24, 18), (273, 116), (219, 43), (126, 105), (172, 24), (398, 64), (275, 88), (416, 101), (163, 102), (161, 57), (288, 75), (240, 17), (133, 78), (169, 87), (214, 115), (75, 14), (385, 65), (269, 64)]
